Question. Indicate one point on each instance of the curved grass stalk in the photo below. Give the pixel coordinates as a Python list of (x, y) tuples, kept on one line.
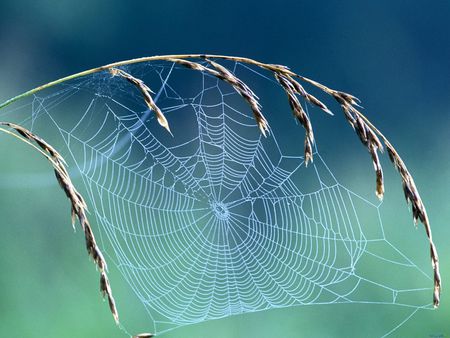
[(370, 136), (79, 207)]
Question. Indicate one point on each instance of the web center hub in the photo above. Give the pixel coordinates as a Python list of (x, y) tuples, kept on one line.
[(220, 210)]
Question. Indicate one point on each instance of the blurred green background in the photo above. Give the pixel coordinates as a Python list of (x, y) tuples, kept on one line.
[(394, 55)]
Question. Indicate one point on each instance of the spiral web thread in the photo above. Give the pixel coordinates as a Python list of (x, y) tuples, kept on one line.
[(217, 221)]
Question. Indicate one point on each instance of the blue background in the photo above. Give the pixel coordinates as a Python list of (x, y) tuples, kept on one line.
[(394, 55)]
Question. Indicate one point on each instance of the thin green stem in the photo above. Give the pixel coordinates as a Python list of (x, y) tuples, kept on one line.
[(140, 60)]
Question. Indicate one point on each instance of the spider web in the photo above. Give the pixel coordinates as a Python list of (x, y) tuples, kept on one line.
[(217, 220)]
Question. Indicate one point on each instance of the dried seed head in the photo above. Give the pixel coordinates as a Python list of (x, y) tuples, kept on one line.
[(372, 147), (224, 74), (374, 140), (297, 87), (188, 64), (105, 289), (245, 91), (146, 93), (78, 207), (288, 81), (380, 185), (370, 140), (262, 125), (308, 151), (347, 109), (318, 103), (345, 98), (361, 130), (104, 284), (291, 87), (419, 213)]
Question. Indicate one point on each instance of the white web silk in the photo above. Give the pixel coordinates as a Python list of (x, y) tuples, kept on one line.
[(216, 220)]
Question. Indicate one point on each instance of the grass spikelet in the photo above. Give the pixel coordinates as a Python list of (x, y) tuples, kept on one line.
[(245, 92), (105, 289), (413, 198), (224, 74), (78, 205), (146, 93), (291, 89)]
